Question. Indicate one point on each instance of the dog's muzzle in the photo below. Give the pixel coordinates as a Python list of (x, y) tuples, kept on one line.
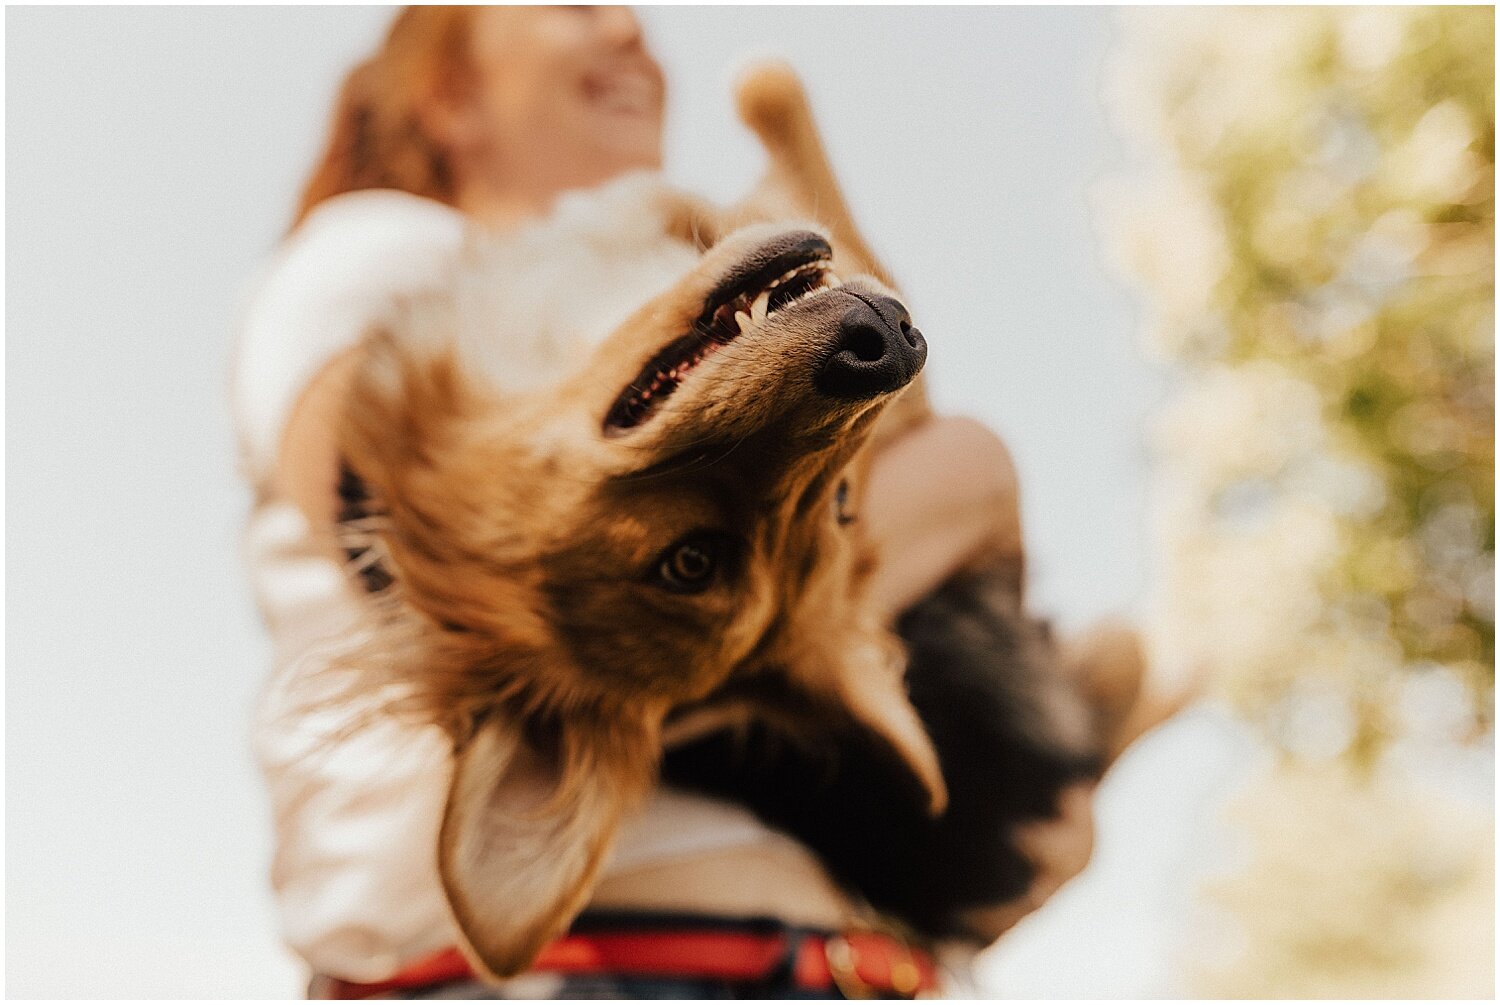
[(877, 350)]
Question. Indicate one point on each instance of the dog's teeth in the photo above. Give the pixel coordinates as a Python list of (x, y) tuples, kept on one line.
[(744, 321), (761, 307)]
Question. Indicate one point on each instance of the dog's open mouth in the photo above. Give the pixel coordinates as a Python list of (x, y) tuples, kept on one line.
[(770, 282)]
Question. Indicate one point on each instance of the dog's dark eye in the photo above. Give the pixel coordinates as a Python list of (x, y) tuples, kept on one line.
[(841, 511), (689, 566)]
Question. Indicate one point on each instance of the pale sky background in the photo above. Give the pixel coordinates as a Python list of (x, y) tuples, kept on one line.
[(153, 160)]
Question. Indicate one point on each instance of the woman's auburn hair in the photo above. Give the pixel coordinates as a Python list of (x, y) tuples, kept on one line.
[(377, 139)]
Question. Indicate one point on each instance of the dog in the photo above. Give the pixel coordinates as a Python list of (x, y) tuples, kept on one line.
[(579, 557)]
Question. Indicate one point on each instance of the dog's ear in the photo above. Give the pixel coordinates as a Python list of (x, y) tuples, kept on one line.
[(693, 220), (527, 827), (869, 685)]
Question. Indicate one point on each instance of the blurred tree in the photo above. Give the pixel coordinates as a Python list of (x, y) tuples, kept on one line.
[(1313, 225)]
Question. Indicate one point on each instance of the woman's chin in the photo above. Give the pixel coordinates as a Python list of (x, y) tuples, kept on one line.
[(621, 151)]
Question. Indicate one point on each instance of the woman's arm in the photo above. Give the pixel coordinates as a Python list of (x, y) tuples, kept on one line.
[(939, 496), (307, 461)]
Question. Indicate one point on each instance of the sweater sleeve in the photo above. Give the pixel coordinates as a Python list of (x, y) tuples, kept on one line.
[(339, 274)]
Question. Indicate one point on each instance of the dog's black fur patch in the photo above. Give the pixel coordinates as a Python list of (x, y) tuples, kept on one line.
[(1010, 732)]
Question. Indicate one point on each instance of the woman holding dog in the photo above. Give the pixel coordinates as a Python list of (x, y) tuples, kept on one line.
[(483, 117)]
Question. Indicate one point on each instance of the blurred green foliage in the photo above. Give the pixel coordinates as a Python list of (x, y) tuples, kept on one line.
[(1341, 166)]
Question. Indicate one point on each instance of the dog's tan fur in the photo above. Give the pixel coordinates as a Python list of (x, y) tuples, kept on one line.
[(515, 536)]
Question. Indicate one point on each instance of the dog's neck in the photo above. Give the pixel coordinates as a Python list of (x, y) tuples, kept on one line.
[(529, 303)]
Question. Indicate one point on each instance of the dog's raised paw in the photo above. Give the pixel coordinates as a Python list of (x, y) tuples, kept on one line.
[(770, 98)]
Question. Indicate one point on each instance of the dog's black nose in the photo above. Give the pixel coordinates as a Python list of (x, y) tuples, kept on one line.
[(878, 350)]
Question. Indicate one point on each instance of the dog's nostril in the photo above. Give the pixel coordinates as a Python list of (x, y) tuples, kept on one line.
[(866, 343), (876, 350)]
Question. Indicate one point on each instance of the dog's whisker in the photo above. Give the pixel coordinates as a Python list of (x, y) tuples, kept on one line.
[(367, 524), (366, 560), (706, 459)]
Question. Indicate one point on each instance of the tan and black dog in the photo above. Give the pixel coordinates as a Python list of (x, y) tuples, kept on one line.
[(577, 553)]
